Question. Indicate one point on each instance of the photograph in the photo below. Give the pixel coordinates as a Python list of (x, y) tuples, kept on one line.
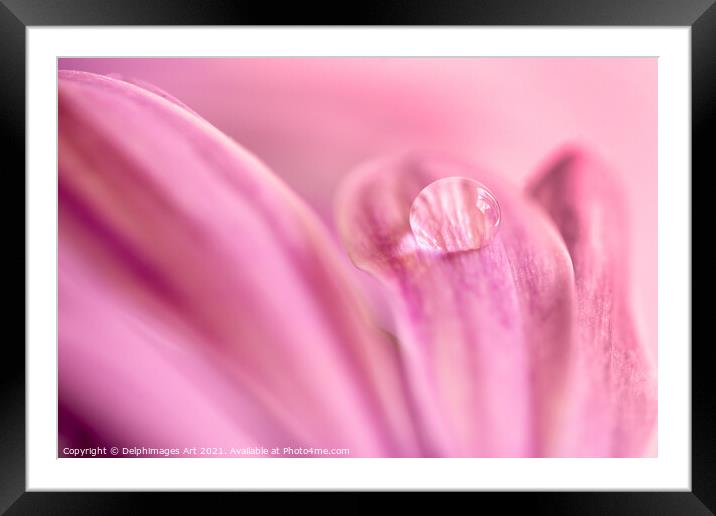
[(309, 257)]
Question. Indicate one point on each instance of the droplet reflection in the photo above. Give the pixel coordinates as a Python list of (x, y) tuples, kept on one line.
[(454, 214)]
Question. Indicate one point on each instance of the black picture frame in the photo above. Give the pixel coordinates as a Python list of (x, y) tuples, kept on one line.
[(17, 15)]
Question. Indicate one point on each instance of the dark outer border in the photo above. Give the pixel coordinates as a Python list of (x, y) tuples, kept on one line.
[(16, 15)]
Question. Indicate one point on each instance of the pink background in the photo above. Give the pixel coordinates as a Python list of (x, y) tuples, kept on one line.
[(313, 119)]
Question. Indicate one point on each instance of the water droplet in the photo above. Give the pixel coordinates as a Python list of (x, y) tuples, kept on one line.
[(454, 214)]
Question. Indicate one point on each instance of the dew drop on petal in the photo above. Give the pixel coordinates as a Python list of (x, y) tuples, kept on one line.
[(454, 214)]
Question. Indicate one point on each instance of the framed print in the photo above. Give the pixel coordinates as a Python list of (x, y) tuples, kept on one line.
[(442, 250)]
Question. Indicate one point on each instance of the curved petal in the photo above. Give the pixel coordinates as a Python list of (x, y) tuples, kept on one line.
[(617, 380), (485, 335), (133, 378), (181, 253)]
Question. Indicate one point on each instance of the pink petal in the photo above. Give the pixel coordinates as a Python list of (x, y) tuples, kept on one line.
[(616, 392), (486, 336), (117, 363), (189, 274), (152, 88)]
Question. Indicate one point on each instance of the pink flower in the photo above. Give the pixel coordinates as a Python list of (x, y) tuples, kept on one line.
[(202, 301)]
